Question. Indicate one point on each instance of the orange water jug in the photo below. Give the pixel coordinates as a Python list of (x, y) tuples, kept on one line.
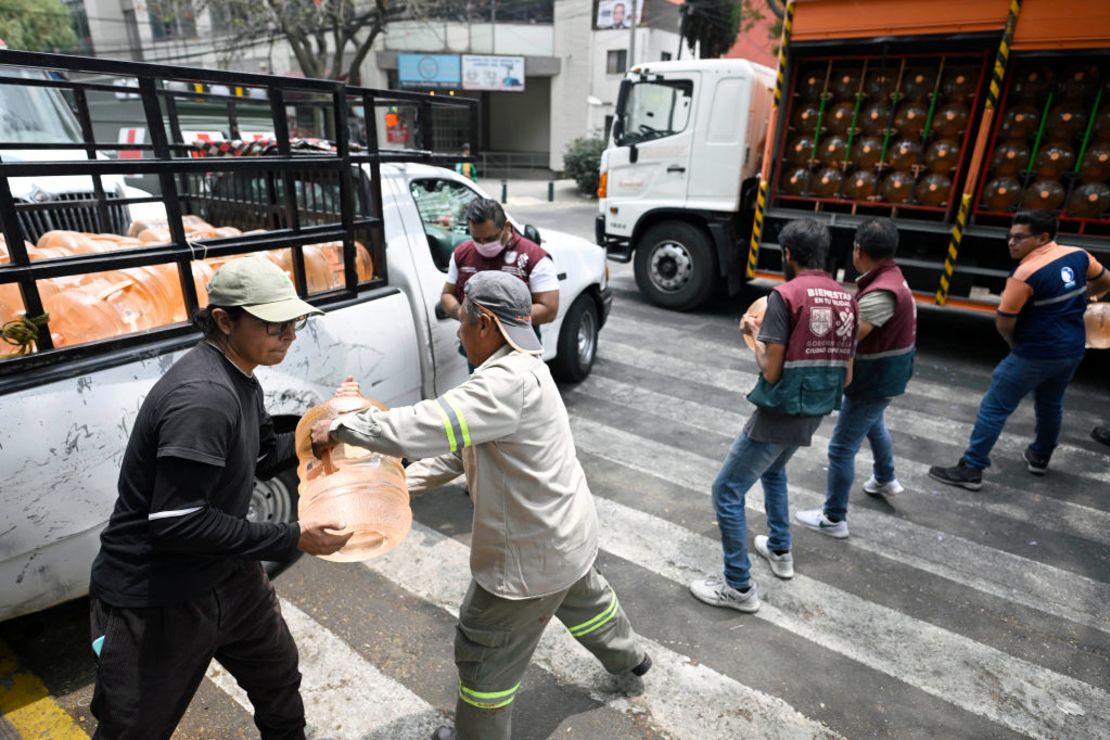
[(318, 271), (363, 489), (1097, 319), (78, 316)]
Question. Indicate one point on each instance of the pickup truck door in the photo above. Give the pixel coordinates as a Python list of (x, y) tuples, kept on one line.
[(437, 220), (649, 161)]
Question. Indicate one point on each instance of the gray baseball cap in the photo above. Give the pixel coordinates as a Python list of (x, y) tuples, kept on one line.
[(260, 287), (508, 299)]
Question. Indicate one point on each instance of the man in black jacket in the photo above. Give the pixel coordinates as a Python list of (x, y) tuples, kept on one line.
[(178, 580)]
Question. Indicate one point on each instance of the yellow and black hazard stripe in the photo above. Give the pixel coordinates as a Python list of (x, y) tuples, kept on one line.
[(761, 198), (994, 90)]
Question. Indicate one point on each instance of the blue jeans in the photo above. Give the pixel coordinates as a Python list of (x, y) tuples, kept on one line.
[(1013, 380), (859, 418), (747, 462)]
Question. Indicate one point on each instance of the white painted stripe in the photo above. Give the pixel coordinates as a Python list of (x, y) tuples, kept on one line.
[(172, 513), (344, 695), (1011, 577), (739, 359), (979, 679), (1059, 516), (684, 698)]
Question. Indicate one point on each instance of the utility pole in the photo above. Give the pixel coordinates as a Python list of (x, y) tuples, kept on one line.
[(632, 37)]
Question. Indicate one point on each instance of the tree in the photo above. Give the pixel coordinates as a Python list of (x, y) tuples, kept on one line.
[(329, 38), (37, 25), (713, 25)]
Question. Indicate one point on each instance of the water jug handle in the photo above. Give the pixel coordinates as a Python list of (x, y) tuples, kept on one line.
[(329, 466)]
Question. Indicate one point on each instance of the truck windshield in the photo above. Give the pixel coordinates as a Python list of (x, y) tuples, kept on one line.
[(34, 114), (654, 110)]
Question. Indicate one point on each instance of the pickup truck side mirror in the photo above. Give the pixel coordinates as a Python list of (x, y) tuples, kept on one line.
[(531, 233)]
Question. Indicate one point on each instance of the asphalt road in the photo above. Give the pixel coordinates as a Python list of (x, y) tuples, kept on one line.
[(946, 613)]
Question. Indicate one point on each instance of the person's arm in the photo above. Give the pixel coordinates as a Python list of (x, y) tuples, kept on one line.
[(543, 282), (276, 452), (427, 475), (485, 408), (451, 304), (181, 520), (545, 307), (771, 335), (875, 309), (1014, 297), (1098, 279)]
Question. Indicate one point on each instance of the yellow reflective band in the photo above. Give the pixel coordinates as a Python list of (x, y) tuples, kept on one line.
[(447, 428), (589, 626), (462, 422), (487, 699)]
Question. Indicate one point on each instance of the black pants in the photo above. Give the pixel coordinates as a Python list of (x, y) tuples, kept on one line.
[(153, 659)]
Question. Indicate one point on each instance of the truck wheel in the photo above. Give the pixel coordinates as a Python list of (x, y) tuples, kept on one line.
[(674, 265), (577, 341), (275, 501)]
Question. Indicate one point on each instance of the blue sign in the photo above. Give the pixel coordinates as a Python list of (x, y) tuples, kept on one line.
[(429, 70)]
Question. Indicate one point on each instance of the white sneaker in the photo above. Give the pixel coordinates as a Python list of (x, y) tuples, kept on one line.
[(816, 519), (875, 488), (781, 565), (713, 590)]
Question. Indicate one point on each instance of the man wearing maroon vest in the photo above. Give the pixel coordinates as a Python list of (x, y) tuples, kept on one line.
[(804, 351), (882, 368), (495, 245)]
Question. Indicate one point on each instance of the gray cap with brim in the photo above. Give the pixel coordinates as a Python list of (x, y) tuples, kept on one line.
[(506, 297), (260, 288)]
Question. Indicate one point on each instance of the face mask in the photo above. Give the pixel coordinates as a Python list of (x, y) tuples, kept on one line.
[(489, 249)]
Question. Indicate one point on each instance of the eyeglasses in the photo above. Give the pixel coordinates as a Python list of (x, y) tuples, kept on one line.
[(1014, 238), (278, 328)]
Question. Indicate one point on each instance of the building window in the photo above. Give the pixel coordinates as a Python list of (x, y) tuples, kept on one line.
[(616, 62), (80, 19), (608, 126), (665, 56)]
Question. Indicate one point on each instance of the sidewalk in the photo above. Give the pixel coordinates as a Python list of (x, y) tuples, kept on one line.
[(523, 192)]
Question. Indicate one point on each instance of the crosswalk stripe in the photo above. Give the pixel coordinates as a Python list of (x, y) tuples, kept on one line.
[(345, 696), (1011, 577), (979, 679), (691, 344), (1059, 516), (684, 698)]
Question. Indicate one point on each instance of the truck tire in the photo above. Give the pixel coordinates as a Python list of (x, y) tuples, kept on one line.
[(577, 341), (675, 267), (275, 501)]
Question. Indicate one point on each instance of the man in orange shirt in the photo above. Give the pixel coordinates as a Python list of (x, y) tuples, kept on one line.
[(1041, 318)]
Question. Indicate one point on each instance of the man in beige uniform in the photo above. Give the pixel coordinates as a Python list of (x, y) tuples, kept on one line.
[(534, 538)]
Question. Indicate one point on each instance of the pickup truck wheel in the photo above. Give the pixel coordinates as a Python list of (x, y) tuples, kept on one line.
[(275, 501), (577, 341), (674, 265)]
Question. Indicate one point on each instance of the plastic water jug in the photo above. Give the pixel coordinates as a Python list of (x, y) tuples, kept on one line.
[(363, 489), (1097, 319), (757, 309)]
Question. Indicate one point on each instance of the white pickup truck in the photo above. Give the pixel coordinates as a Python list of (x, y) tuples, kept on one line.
[(66, 423)]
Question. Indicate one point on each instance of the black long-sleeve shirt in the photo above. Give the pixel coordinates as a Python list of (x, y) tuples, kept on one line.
[(179, 524)]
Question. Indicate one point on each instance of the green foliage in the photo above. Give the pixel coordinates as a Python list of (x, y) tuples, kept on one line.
[(36, 25), (711, 24), (582, 162)]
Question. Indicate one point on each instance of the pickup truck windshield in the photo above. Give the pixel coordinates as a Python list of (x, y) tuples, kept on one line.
[(655, 110), (35, 114)]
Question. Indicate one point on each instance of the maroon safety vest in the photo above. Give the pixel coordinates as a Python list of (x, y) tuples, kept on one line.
[(823, 320), (900, 331), (518, 258)]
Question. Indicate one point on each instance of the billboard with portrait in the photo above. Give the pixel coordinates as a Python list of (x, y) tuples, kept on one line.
[(617, 13), (492, 73)]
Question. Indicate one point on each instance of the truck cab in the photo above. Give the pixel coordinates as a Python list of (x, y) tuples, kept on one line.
[(683, 152)]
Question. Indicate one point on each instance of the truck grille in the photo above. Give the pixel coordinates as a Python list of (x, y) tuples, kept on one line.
[(72, 212)]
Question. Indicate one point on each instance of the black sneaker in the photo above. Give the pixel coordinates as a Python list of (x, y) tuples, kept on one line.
[(644, 667), (1101, 434), (960, 475), (1034, 464)]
